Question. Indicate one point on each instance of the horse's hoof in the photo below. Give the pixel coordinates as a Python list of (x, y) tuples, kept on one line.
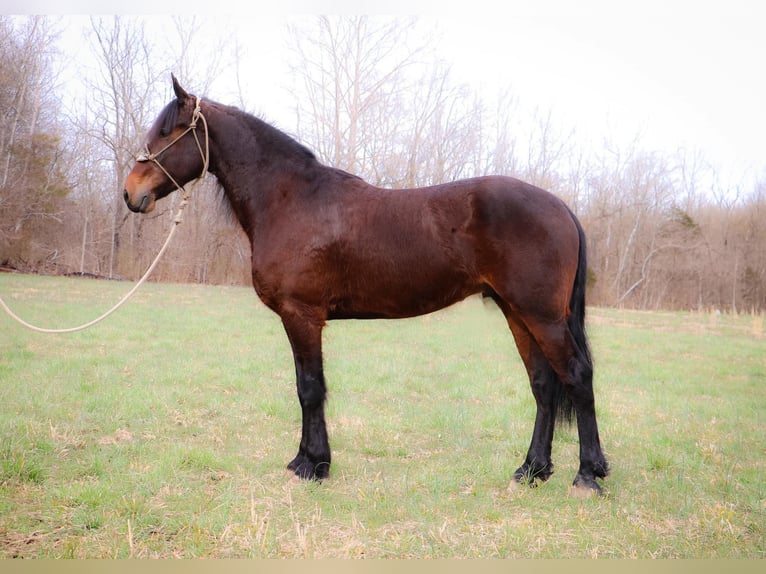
[(304, 469), (528, 475), (583, 487)]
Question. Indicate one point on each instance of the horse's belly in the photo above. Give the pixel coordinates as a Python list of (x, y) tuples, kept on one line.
[(403, 291)]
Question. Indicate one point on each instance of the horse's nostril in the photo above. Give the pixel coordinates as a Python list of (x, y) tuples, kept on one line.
[(126, 197)]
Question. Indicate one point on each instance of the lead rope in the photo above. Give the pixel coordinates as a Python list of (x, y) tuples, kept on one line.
[(176, 221)]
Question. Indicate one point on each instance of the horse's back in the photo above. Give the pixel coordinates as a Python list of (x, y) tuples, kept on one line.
[(418, 250)]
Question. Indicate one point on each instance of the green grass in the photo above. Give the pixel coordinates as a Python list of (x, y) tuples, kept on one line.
[(164, 432)]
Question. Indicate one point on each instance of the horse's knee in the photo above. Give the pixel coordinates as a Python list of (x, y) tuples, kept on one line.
[(311, 393)]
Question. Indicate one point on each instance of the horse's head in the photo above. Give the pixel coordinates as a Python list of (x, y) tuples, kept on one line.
[(175, 153)]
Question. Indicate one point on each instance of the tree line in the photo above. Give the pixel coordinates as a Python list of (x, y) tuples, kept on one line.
[(372, 98)]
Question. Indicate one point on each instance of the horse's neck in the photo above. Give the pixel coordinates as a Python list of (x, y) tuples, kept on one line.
[(248, 174)]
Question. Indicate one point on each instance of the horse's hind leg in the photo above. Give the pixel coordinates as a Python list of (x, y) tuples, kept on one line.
[(575, 371), (546, 388)]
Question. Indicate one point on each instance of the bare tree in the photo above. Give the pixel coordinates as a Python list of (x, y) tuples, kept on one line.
[(384, 107), (349, 70), (33, 186), (753, 228), (499, 140), (442, 130), (92, 178), (120, 97)]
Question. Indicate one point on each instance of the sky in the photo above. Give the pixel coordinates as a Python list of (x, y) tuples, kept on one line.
[(677, 74)]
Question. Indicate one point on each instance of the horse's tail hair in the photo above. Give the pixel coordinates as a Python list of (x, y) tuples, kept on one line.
[(576, 321)]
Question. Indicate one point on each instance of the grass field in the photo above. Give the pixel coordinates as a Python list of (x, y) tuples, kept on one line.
[(164, 432)]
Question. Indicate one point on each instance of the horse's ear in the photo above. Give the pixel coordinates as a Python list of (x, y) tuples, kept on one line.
[(180, 92)]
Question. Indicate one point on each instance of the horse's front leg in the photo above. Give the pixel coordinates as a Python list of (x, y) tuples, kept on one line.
[(313, 459)]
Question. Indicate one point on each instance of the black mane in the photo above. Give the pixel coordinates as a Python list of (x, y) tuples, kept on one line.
[(279, 140), (270, 137)]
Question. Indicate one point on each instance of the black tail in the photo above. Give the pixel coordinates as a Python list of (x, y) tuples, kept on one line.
[(576, 320)]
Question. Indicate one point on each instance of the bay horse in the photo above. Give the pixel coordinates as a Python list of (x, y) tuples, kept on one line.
[(327, 245)]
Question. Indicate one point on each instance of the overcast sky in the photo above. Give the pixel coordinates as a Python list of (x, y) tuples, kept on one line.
[(686, 73), (683, 74)]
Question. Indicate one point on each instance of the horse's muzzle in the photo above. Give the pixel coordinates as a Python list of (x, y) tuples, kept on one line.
[(143, 204)]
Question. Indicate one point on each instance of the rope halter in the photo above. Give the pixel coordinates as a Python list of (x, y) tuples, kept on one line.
[(146, 155)]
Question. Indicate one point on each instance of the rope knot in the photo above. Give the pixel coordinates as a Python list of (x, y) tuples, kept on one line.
[(179, 215)]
